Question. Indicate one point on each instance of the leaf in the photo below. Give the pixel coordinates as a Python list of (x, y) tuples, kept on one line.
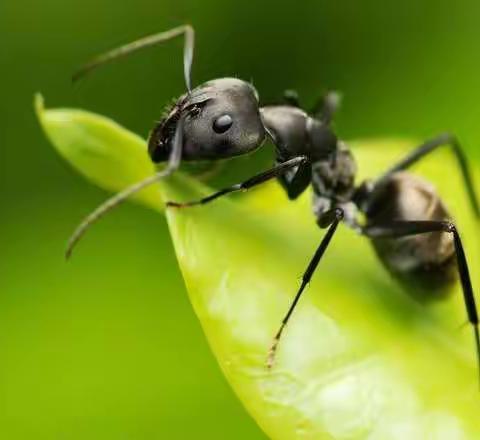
[(361, 357), (101, 150)]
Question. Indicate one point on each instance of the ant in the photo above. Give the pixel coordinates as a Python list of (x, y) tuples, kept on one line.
[(404, 217)]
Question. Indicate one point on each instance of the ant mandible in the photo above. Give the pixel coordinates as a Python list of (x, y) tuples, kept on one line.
[(405, 218)]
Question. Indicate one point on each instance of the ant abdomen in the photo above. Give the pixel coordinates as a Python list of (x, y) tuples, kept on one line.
[(427, 260)]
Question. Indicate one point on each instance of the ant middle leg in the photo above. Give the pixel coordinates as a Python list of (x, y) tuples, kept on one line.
[(398, 229), (423, 150), (330, 219)]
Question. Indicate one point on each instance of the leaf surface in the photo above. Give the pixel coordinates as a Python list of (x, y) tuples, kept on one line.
[(362, 358)]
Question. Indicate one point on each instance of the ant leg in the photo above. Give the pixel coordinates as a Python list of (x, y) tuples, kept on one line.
[(330, 219), (151, 40), (247, 184), (398, 229), (291, 98), (326, 107), (428, 147), (295, 181)]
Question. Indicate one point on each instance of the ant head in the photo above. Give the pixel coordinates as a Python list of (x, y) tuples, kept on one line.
[(221, 119)]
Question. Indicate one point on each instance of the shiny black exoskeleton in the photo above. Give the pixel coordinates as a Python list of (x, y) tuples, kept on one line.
[(404, 217)]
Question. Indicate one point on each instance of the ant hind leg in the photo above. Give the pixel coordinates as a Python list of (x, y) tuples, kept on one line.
[(398, 229), (426, 148)]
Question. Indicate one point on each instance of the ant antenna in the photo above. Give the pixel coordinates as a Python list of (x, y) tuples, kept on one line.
[(151, 40), (117, 199)]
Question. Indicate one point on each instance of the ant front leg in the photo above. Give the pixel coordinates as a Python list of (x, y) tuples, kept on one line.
[(399, 229), (296, 180), (276, 171), (330, 220)]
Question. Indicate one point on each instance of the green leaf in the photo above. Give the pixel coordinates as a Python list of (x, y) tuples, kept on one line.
[(362, 358), (101, 150)]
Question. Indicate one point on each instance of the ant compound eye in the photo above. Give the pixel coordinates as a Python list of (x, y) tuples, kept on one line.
[(222, 124)]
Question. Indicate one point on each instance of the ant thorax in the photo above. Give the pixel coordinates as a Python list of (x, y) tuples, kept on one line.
[(333, 183), (334, 177)]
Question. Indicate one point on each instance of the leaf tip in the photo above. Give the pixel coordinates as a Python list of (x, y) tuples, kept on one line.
[(38, 104)]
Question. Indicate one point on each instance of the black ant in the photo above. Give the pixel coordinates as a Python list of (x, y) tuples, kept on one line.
[(404, 217)]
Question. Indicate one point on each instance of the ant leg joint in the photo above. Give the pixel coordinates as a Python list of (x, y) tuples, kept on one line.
[(329, 217), (339, 213), (450, 227), (446, 137)]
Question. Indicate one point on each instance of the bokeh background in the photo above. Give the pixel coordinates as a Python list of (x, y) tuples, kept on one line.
[(107, 346)]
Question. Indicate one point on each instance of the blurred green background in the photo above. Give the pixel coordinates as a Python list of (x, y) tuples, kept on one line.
[(107, 346)]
